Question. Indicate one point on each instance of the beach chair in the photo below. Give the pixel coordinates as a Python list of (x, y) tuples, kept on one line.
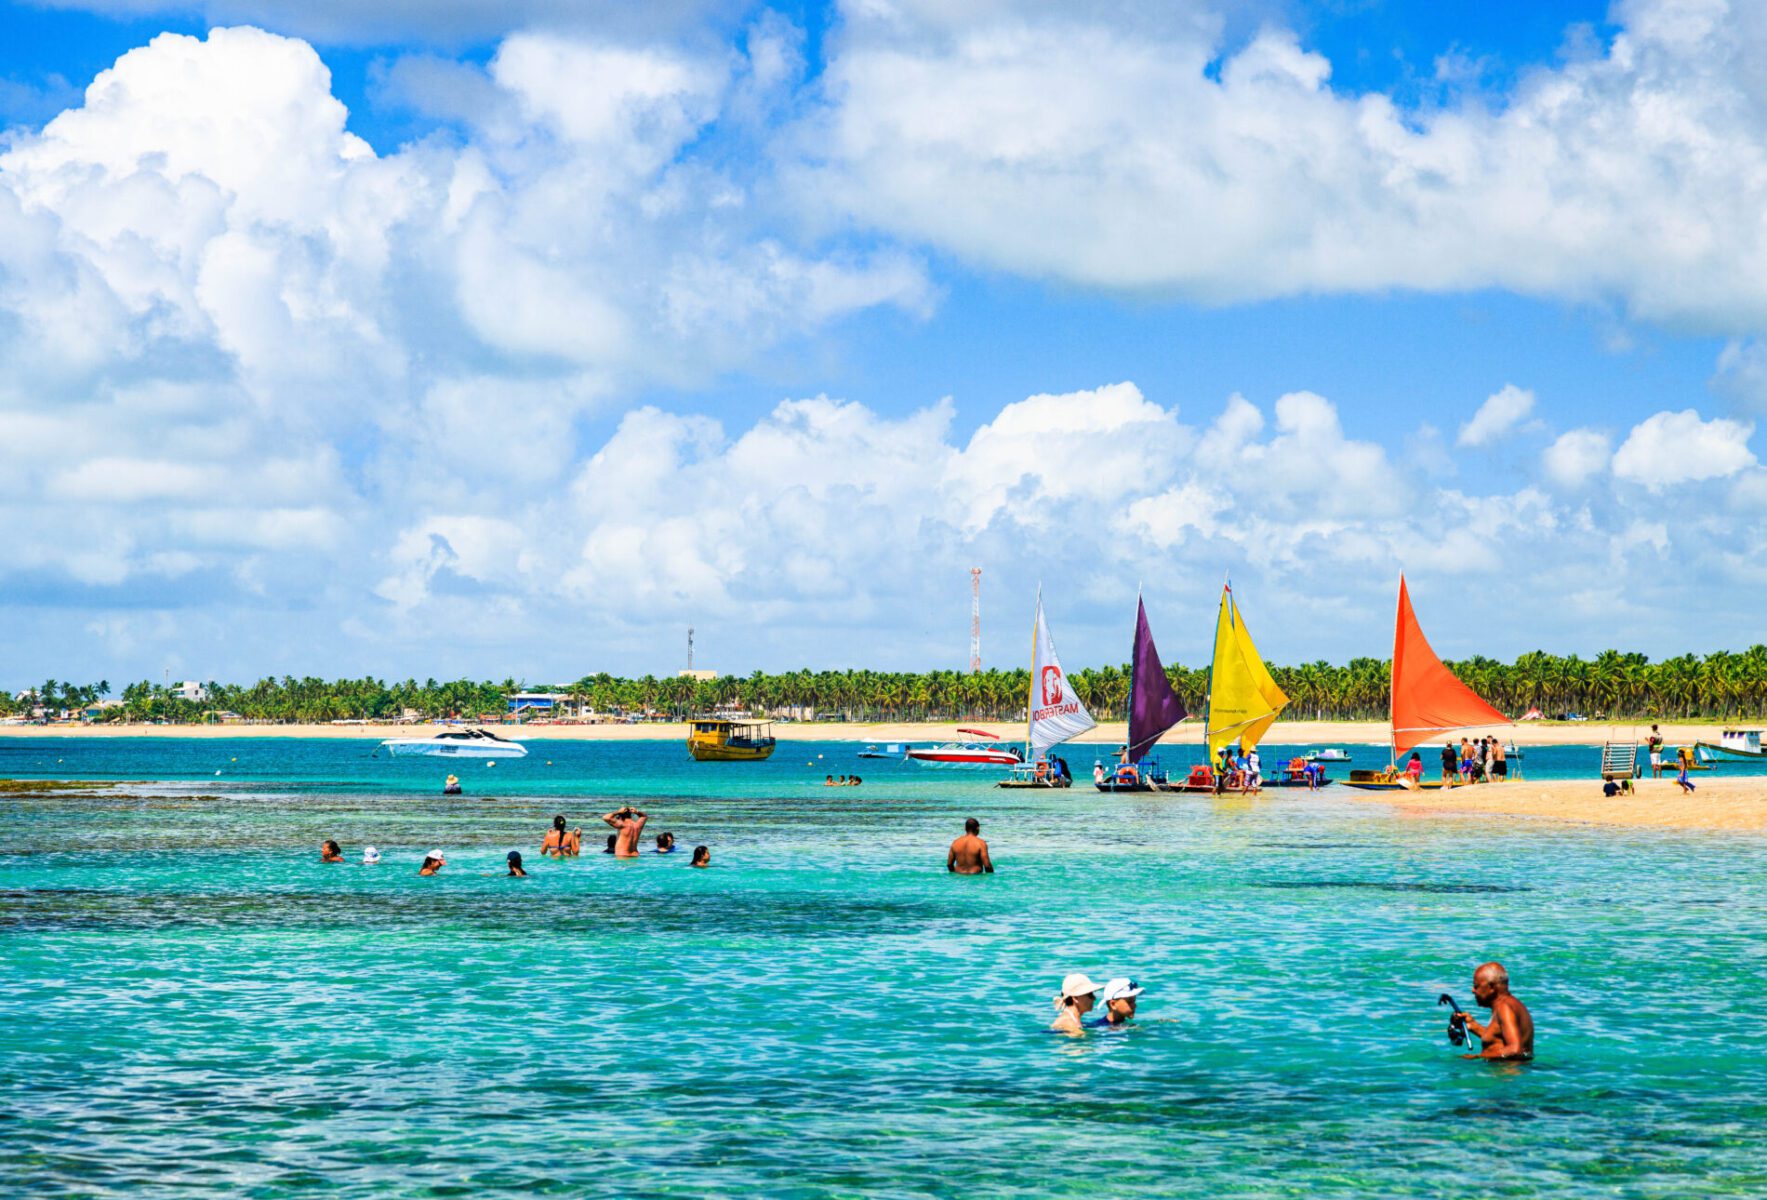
[(1619, 763)]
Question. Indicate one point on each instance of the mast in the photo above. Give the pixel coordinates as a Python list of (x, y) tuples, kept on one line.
[(1209, 683), (1393, 681), (1031, 689), (1129, 712)]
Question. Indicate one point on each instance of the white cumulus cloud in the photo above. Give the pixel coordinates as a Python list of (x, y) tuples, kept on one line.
[(1577, 456), (1501, 412), (1678, 447)]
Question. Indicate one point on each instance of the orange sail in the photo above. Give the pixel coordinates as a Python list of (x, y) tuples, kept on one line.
[(1427, 698)]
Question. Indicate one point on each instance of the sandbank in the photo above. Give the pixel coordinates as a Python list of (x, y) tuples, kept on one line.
[(1737, 804)]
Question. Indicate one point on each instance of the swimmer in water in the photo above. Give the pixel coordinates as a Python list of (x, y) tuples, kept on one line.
[(628, 824), (561, 842), (612, 840), (432, 862), (329, 851), (1078, 995), (1510, 1035), (515, 864), (702, 857), (1119, 1001), (665, 842), (969, 854)]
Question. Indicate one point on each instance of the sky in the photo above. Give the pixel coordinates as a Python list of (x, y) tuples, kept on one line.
[(466, 338)]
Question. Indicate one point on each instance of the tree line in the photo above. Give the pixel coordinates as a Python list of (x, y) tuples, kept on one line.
[(1721, 686)]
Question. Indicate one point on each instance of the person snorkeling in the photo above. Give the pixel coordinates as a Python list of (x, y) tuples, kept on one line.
[(1510, 1033)]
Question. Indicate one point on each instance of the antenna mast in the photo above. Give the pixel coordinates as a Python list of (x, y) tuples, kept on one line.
[(975, 620), (690, 648)]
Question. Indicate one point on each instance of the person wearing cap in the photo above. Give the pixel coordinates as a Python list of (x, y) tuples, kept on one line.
[(370, 856), (432, 862), (1119, 1001), (1078, 995), (330, 851), (628, 825), (969, 854), (561, 842), (515, 864)]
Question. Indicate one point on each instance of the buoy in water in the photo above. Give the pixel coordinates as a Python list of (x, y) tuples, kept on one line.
[(217, 772)]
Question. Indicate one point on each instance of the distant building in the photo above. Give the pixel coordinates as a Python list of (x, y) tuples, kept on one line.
[(190, 690), (544, 704), (698, 675)]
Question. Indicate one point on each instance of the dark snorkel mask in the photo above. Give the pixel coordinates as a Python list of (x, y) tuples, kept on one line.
[(1456, 1020)]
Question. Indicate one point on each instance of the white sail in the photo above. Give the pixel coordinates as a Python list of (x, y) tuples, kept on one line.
[(1055, 712)]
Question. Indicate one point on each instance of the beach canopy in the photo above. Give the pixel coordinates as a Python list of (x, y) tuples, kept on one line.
[(1243, 698), (1153, 706), (1427, 698)]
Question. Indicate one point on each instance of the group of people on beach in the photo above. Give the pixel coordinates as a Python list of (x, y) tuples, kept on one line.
[(1481, 760), (559, 842)]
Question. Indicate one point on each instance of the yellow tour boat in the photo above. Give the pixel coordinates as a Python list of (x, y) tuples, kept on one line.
[(730, 741)]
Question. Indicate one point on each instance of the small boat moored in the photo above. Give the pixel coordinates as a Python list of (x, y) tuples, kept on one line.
[(1329, 754), (886, 750), (714, 739), (1737, 743)]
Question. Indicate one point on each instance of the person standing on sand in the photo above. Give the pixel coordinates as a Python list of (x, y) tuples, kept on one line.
[(1683, 782), (1510, 1035), (1499, 763), (1448, 764), (969, 853), (1656, 753), (628, 824)]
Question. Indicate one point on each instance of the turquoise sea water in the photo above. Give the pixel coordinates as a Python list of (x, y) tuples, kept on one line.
[(191, 1003)]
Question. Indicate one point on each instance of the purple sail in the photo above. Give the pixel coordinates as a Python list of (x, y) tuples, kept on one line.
[(1153, 706)]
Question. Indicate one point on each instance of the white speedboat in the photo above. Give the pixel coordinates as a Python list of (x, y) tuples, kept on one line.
[(989, 753), (457, 743), (1329, 755)]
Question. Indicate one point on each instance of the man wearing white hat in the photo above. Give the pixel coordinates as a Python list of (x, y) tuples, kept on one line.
[(1078, 995), (1119, 1001)]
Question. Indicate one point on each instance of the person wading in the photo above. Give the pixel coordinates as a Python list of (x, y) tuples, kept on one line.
[(969, 853)]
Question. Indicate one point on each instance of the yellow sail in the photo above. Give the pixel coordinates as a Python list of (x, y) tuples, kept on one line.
[(1243, 698)]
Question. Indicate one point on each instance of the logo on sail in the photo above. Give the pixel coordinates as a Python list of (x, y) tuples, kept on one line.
[(1051, 684)]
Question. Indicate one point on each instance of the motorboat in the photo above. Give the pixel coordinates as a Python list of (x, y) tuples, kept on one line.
[(457, 743), (886, 750), (1329, 754), (989, 751)]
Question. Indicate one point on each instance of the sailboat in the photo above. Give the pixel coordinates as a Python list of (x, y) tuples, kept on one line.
[(1243, 701), (1153, 708), (1054, 713), (1427, 699)]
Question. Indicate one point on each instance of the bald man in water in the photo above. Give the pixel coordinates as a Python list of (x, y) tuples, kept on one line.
[(1510, 1035), (969, 853), (627, 824)]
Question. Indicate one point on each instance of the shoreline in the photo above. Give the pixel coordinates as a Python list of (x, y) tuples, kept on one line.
[(1108, 734)]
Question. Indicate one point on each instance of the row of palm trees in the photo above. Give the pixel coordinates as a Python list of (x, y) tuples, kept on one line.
[(1720, 686)]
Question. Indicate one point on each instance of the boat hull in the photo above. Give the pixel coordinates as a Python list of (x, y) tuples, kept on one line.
[(429, 750), (1728, 752), (953, 760), (728, 753)]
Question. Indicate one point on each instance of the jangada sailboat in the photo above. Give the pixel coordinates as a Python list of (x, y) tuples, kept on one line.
[(1054, 713), (1427, 699), (1153, 708), (1243, 702)]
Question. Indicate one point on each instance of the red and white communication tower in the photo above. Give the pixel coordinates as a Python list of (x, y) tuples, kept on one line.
[(975, 620)]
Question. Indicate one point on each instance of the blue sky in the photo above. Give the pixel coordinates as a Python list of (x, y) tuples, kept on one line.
[(773, 320)]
